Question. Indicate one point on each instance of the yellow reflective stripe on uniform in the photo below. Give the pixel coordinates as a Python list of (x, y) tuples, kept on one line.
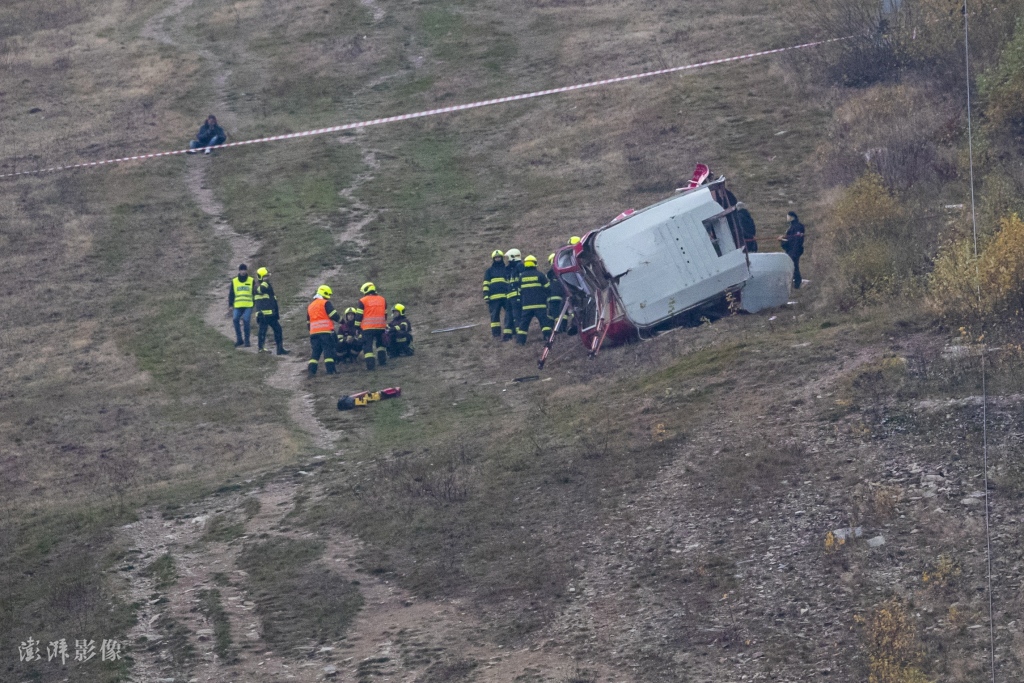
[(535, 306)]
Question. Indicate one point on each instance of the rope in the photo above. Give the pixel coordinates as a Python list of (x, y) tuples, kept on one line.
[(984, 369), (433, 112)]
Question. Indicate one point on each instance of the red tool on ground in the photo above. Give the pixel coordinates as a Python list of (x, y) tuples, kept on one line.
[(365, 397)]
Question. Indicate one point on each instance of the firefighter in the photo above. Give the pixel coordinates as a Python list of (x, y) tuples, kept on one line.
[(399, 336), (320, 317), (556, 296), (497, 290), (372, 318), (267, 313), (240, 303), (350, 340), (534, 289), (515, 269)]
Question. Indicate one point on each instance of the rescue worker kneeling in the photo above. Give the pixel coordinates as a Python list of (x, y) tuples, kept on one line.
[(372, 318), (320, 317), (350, 339), (398, 339), (533, 298)]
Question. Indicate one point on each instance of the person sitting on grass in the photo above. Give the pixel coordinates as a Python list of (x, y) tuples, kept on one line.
[(210, 135)]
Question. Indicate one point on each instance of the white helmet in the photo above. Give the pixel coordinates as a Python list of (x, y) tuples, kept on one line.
[(514, 255)]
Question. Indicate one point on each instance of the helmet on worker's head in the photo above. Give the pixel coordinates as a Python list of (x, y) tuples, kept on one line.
[(530, 260), (368, 288), (324, 291), (551, 258), (262, 272), (399, 309), (514, 254), (574, 240), (350, 310), (497, 254)]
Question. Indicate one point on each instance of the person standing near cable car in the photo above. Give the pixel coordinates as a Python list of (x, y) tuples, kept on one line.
[(793, 244)]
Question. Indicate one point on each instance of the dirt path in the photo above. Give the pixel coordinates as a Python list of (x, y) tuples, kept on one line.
[(395, 635)]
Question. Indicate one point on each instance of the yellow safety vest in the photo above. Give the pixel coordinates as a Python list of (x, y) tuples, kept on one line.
[(243, 292)]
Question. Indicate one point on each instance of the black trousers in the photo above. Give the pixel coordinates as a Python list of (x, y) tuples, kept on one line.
[(322, 343), (399, 346), (797, 278), (373, 338), (523, 328), (269, 320), (496, 306)]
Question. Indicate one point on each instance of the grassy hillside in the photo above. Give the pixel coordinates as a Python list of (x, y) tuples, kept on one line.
[(661, 513)]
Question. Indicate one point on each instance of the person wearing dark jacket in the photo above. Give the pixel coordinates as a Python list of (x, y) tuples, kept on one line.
[(793, 244), (350, 338), (210, 135), (556, 295), (497, 288), (398, 338), (747, 227), (533, 299), (515, 269), (267, 312)]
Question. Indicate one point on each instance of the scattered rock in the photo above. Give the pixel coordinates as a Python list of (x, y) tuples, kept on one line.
[(847, 533), (876, 542), (330, 670)]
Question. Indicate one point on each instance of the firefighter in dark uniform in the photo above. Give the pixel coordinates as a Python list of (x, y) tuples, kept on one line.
[(350, 340), (515, 269), (399, 335), (372, 318), (267, 312), (320, 318), (556, 297), (496, 292), (533, 292)]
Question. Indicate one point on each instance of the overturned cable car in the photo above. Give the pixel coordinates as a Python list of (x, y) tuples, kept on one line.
[(651, 269)]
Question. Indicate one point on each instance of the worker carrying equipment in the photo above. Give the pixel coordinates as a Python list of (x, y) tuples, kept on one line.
[(350, 338), (364, 397), (515, 269), (240, 303), (398, 338), (534, 289), (497, 289), (372, 318), (267, 313), (320, 317)]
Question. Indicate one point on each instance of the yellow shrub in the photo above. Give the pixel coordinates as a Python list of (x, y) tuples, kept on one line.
[(970, 290), (893, 648)]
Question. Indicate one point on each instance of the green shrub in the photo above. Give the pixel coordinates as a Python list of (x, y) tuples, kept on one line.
[(1002, 87)]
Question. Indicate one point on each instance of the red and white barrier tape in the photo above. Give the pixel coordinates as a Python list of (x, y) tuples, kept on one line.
[(434, 112)]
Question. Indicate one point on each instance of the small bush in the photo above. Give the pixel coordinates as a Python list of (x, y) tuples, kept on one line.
[(893, 648), (871, 246), (971, 291)]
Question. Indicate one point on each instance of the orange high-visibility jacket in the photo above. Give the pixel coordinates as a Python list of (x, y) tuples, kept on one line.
[(319, 318), (375, 312)]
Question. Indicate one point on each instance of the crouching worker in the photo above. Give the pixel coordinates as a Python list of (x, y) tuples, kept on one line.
[(210, 135), (399, 335), (350, 341), (533, 300), (372, 318), (320, 318)]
